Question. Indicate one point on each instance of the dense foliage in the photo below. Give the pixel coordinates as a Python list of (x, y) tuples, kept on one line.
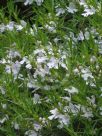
[(51, 68)]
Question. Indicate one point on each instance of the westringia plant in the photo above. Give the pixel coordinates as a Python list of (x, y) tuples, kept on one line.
[(51, 68)]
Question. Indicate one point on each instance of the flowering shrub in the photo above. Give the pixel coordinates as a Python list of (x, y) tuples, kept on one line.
[(51, 70)]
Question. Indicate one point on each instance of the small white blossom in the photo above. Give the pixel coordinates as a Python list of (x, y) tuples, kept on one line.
[(87, 112), (86, 74), (30, 133), (59, 11), (28, 66), (3, 61), (88, 11), (81, 36), (41, 71), (13, 54), (8, 69), (3, 120), (15, 125), (51, 27), (41, 59), (16, 68), (83, 3), (72, 8), (13, 68), (67, 99), (53, 63), (28, 2), (93, 59), (37, 126), (87, 35), (2, 28), (39, 2), (55, 114), (4, 106), (76, 71), (10, 26), (18, 27), (2, 90), (36, 99), (39, 52), (100, 110), (91, 100), (23, 23), (63, 119), (71, 90), (24, 60)]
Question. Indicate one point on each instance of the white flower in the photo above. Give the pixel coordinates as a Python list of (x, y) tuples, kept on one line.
[(63, 65), (24, 60), (28, 2), (2, 28), (37, 126), (8, 69), (19, 27), (2, 90), (81, 36), (88, 11), (74, 108), (13, 54), (100, 110), (56, 40), (35, 29), (3, 120), (55, 114), (86, 74), (72, 8), (15, 125), (51, 27), (39, 2), (41, 59), (41, 71), (59, 11), (53, 63), (68, 99), (76, 71), (97, 66), (93, 59), (10, 26), (100, 47), (15, 68), (63, 119), (23, 23), (43, 120), (87, 112), (71, 90), (36, 99), (83, 3), (30, 85), (91, 100), (3, 61), (39, 52), (28, 66), (87, 35), (4, 106), (30, 133)]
